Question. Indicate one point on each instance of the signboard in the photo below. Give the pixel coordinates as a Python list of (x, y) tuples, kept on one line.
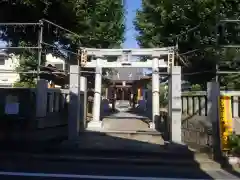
[(11, 105), (226, 121)]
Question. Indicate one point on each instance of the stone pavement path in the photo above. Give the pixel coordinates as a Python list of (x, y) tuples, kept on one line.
[(125, 121), (122, 130)]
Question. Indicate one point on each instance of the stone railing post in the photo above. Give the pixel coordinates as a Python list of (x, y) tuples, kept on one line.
[(41, 98), (175, 105), (83, 99), (213, 93), (74, 103)]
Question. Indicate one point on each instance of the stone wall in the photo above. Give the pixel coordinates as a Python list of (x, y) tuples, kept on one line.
[(17, 107), (25, 113), (196, 123)]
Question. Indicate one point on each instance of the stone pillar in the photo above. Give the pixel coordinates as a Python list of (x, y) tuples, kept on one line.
[(74, 103), (144, 98), (122, 93), (213, 93), (175, 104), (114, 99), (131, 98), (106, 93), (83, 100), (96, 123), (41, 101), (155, 93), (134, 97)]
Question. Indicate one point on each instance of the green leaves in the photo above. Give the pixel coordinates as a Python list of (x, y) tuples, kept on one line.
[(160, 21), (234, 143), (99, 22)]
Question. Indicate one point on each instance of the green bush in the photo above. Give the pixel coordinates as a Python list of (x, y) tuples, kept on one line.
[(27, 84), (234, 144), (196, 87)]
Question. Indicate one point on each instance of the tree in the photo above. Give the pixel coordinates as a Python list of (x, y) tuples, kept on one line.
[(160, 21), (98, 23)]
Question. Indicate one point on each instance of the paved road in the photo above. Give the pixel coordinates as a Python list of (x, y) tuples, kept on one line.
[(11, 169)]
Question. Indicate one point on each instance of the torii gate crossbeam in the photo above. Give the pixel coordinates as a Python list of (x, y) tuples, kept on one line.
[(105, 64), (133, 52)]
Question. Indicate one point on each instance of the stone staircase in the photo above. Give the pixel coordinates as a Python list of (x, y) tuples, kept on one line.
[(127, 140), (141, 149)]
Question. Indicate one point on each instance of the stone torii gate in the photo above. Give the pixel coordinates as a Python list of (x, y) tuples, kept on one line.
[(100, 61)]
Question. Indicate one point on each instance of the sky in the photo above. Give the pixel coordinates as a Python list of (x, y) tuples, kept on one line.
[(131, 6)]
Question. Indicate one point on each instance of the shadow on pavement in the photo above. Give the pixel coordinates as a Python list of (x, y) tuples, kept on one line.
[(111, 150), (103, 149), (108, 113), (163, 127)]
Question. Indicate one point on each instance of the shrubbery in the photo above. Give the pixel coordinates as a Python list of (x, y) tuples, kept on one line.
[(234, 144), (27, 84)]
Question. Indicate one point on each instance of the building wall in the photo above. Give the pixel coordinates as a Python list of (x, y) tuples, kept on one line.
[(9, 62), (56, 61)]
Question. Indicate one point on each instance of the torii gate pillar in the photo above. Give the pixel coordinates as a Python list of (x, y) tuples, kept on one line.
[(96, 123), (155, 92)]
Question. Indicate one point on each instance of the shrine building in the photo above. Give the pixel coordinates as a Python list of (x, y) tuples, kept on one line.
[(124, 82)]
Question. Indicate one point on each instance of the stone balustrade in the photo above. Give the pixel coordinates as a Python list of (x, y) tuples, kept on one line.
[(196, 122)]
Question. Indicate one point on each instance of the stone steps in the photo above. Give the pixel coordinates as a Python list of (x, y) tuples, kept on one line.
[(160, 161), (126, 138)]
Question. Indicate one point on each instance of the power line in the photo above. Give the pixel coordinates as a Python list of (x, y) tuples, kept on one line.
[(20, 24), (62, 28), (189, 52), (19, 47), (188, 31), (63, 49)]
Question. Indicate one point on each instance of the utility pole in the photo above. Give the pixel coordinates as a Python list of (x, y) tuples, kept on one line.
[(216, 35), (216, 75), (40, 41)]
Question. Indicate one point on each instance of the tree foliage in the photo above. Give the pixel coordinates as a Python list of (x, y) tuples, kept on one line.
[(97, 23), (160, 21)]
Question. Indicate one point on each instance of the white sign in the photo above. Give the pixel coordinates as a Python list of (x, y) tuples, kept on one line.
[(124, 83), (12, 108)]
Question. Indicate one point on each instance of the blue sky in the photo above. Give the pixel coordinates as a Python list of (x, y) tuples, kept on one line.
[(131, 6)]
